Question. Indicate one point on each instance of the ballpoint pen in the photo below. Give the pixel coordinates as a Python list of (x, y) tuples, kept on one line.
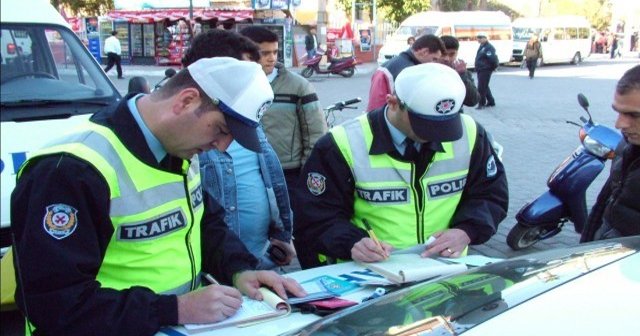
[(211, 279), (372, 235)]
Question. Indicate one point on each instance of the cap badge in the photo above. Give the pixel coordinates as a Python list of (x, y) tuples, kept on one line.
[(445, 106)]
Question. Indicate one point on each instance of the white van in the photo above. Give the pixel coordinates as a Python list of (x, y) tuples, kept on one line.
[(49, 82), (463, 25), (564, 39)]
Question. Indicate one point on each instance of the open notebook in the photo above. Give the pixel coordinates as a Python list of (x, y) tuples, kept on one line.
[(409, 267), (251, 312)]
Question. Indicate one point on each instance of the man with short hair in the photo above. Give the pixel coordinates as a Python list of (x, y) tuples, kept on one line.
[(311, 43), (250, 186), (112, 229), (451, 59), (113, 50), (617, 210), (413, 169), (486, 63), (295, 121), (427, 48)]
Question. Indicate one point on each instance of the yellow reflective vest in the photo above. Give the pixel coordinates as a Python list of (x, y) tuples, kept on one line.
[(385, 191), (156, 214)]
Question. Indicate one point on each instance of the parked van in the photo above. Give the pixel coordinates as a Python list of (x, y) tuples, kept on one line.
[(49, 83), (463, 25), (564, 39)]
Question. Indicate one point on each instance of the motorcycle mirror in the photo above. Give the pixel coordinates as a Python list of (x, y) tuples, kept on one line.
[(170, 72), (584, 102)]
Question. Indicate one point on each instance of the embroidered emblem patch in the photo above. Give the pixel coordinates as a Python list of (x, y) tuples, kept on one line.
[(445, 106), (492, 168), (316, 183), (60, 220)]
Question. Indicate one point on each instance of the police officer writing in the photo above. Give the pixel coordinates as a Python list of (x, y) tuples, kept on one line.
[(412, 169), (113, 231)]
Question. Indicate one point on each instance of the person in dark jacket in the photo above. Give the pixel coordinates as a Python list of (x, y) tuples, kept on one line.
[(450, 58), (311, 43), (409, 170), (486, 63), (617, 209), (112, 229), (427, 48)]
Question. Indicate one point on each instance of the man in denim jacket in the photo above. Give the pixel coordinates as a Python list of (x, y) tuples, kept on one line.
[(250, 186)]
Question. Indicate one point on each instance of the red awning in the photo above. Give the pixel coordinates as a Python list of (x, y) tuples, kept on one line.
[(155, 15)]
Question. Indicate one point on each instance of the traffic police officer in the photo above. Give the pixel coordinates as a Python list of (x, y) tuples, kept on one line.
[(412, 169), (112, 228)]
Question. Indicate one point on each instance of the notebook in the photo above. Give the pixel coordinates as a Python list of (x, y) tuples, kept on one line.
[(410, 267), (251, 312)]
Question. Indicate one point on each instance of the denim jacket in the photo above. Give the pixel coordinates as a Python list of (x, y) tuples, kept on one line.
[(214, 165)]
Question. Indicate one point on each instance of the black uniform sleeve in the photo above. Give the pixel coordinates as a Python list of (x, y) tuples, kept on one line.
[(485, 199), (58, 276), (322, 219), (223, 253)]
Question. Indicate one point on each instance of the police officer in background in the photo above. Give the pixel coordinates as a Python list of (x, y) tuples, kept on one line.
[(412, 169), (486, 63), (112, 228)]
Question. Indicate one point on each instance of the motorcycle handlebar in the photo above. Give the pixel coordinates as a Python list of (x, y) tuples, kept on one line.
[(344, 104)]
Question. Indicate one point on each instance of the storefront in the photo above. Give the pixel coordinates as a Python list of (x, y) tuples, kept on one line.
[(160, 36)]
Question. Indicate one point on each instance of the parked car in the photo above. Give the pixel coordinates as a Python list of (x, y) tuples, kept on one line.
[(589, 289)]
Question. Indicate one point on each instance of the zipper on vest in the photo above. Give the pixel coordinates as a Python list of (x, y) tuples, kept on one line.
[(419, 196), (187, 238)]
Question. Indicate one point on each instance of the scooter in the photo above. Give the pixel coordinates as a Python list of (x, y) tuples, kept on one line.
[(344, 67), (565, 200), (139, 84)]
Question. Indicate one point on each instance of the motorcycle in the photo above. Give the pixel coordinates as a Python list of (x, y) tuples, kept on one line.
[(565, 200), (344, 67), (139, 84)]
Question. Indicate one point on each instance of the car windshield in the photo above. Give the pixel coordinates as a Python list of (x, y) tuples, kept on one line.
[(46, 64), (524, 34), (416, 30), (451, 305)]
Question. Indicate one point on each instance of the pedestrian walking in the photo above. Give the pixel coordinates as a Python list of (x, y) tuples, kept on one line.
[(486, 63), (532, 52), (311, 43), (113, 49)]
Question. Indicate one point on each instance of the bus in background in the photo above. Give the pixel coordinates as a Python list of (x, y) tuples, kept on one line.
[(564, 39), (463, 25)]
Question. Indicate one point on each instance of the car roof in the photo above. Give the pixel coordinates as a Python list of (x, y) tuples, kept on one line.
[(22, 11)]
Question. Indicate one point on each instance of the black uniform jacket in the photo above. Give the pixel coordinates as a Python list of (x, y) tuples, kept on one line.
[(58, 277), (323, 221)]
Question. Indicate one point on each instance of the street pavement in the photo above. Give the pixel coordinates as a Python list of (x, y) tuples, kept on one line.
[(529, 121)]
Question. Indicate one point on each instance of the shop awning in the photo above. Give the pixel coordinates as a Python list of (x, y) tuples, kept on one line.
[(174, 14)]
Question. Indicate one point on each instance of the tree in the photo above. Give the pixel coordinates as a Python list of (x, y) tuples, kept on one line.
[(84, 7), (398, 10)]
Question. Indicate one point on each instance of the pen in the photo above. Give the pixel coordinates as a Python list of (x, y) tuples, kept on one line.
[(211, 279), (372, 235)]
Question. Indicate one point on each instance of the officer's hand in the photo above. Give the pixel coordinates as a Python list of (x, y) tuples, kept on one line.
[(282, 252), (366, 250), (248, 282), (449, 243), (208, 304)]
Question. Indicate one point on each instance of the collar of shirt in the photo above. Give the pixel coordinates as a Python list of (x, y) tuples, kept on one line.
[(272, 75), (154, 144), (384, 141)]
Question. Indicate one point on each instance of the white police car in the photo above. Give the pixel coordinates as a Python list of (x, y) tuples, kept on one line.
[(49, 83), (589, 289)]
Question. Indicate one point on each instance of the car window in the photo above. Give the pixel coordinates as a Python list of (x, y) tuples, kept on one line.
[(48, 64)]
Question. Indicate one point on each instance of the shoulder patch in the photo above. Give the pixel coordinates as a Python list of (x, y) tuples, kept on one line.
[(60, 220), (492, 168), (316, 183)]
